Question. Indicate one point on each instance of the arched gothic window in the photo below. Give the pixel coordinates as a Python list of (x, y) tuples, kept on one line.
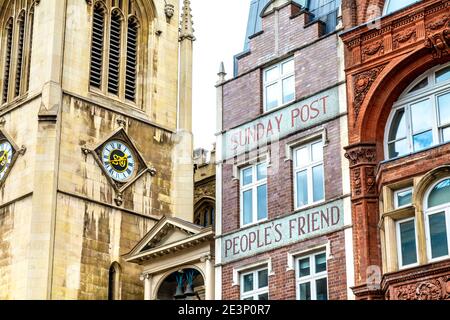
[(114, 282), (17, 36), (205, 214), (420, 119), (115, 54)]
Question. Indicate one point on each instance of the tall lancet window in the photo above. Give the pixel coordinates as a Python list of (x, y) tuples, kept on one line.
[(114, 53), (116, 56), (20, 50), (7, 60), (114, 282), (17, 37), (132, 39), (98, 39)]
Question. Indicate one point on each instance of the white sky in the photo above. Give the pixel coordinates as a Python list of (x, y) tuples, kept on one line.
[(220, 28)]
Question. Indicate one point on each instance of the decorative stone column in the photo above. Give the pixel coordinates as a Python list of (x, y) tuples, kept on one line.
[(365, 217), (209, 277), (147, 278)]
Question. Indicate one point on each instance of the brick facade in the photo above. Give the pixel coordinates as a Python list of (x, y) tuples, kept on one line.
[(287, 32)]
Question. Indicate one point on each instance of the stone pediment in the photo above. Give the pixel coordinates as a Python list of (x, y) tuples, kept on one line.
[(168, 235)]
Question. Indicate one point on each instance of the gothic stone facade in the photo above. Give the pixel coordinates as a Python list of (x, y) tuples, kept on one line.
[(283, 233), (63, 222), (384, 58)]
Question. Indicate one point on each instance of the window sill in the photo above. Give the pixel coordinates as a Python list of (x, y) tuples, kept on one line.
[(311, 205), (253, 223)]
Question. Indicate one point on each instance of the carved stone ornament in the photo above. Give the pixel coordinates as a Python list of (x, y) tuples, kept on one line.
[(439, 43), (373, 48), (403, 37), (120, 161), (363, 154), (434, 289), (361, 86)]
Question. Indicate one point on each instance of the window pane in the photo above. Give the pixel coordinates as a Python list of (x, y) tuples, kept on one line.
[(438, 235), (446, 134), (321, 289), (444, 109), (394, 5), (321, 263), (261, 171), (318, 184), (264, 296), (317, 151), (272, 96), (404, 198), (302, 189), (262, 202), (272, 74), (247, 176), (302, 157), (398, 127), (289, 89), (248, 207), (408, 242), (398, 149), (440, 194), (263, 279), (305, 291), (248, 282), (248, 299), (443, 75), (288, 67), (421, 116), (422, 84), (423, 140), (304, 268)]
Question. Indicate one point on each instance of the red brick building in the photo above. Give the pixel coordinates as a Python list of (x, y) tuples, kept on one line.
[(283, 205), (398, 85)]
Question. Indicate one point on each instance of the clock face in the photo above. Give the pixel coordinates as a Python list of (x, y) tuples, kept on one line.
[(6, 155), (118, 160)]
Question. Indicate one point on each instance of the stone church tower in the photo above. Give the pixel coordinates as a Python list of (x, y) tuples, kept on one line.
[(95, 141)]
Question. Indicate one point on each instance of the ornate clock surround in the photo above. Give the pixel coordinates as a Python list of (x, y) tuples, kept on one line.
[(5, 137), (141, 166)]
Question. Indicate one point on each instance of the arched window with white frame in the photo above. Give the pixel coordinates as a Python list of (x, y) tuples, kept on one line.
[(420, 119), (437, 220)]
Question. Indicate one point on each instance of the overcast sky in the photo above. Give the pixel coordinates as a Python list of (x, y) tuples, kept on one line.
[(220, 31)]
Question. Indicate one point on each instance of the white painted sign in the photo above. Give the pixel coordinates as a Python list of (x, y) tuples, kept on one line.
[(274, 126), (284, 231)]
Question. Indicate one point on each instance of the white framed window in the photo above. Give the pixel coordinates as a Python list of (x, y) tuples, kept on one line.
[(253, 194), (279, 84), (309, 182), (311, 277), (406, 242), (437, 220), (394, 5), (255, 285), (409, 130), (403, 198)]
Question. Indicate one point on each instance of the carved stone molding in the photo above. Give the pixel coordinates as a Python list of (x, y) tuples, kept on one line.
[(372, 49), (439, 43), (363, 154), (403, 37), (361, 86), (433, 289)]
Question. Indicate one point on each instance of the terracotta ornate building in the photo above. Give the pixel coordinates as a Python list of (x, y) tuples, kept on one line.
[(397, 57)]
